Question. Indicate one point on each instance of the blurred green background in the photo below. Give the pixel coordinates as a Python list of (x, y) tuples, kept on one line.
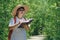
[(46, 14)]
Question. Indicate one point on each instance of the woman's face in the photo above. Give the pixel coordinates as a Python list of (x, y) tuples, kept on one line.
[(21, 14)]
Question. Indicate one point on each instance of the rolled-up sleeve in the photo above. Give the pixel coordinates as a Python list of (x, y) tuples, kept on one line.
[(11, 23)]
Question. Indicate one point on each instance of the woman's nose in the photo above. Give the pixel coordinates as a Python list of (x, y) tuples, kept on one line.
[(21, 11)]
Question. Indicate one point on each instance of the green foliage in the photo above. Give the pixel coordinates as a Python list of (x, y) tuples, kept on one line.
[(44, 12)]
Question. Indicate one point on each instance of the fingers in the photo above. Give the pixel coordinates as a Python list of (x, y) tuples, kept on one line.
[(20, 22)]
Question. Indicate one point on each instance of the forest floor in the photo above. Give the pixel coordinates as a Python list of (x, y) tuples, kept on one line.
[(38, 37)]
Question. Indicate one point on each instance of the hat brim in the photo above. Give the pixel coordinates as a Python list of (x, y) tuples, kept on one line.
[(18, 6)]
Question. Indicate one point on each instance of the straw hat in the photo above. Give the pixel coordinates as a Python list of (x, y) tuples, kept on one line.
[(18, 6)]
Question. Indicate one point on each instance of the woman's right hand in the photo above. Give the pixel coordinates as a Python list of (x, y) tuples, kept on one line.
[(16, 25)]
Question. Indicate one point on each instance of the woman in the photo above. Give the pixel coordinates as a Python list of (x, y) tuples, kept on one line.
[(18, 30)]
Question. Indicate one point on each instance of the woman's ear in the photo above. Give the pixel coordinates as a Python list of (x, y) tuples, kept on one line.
[(17, 13)]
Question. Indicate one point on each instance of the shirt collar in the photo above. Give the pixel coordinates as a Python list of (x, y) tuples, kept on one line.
[(19, 18)]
